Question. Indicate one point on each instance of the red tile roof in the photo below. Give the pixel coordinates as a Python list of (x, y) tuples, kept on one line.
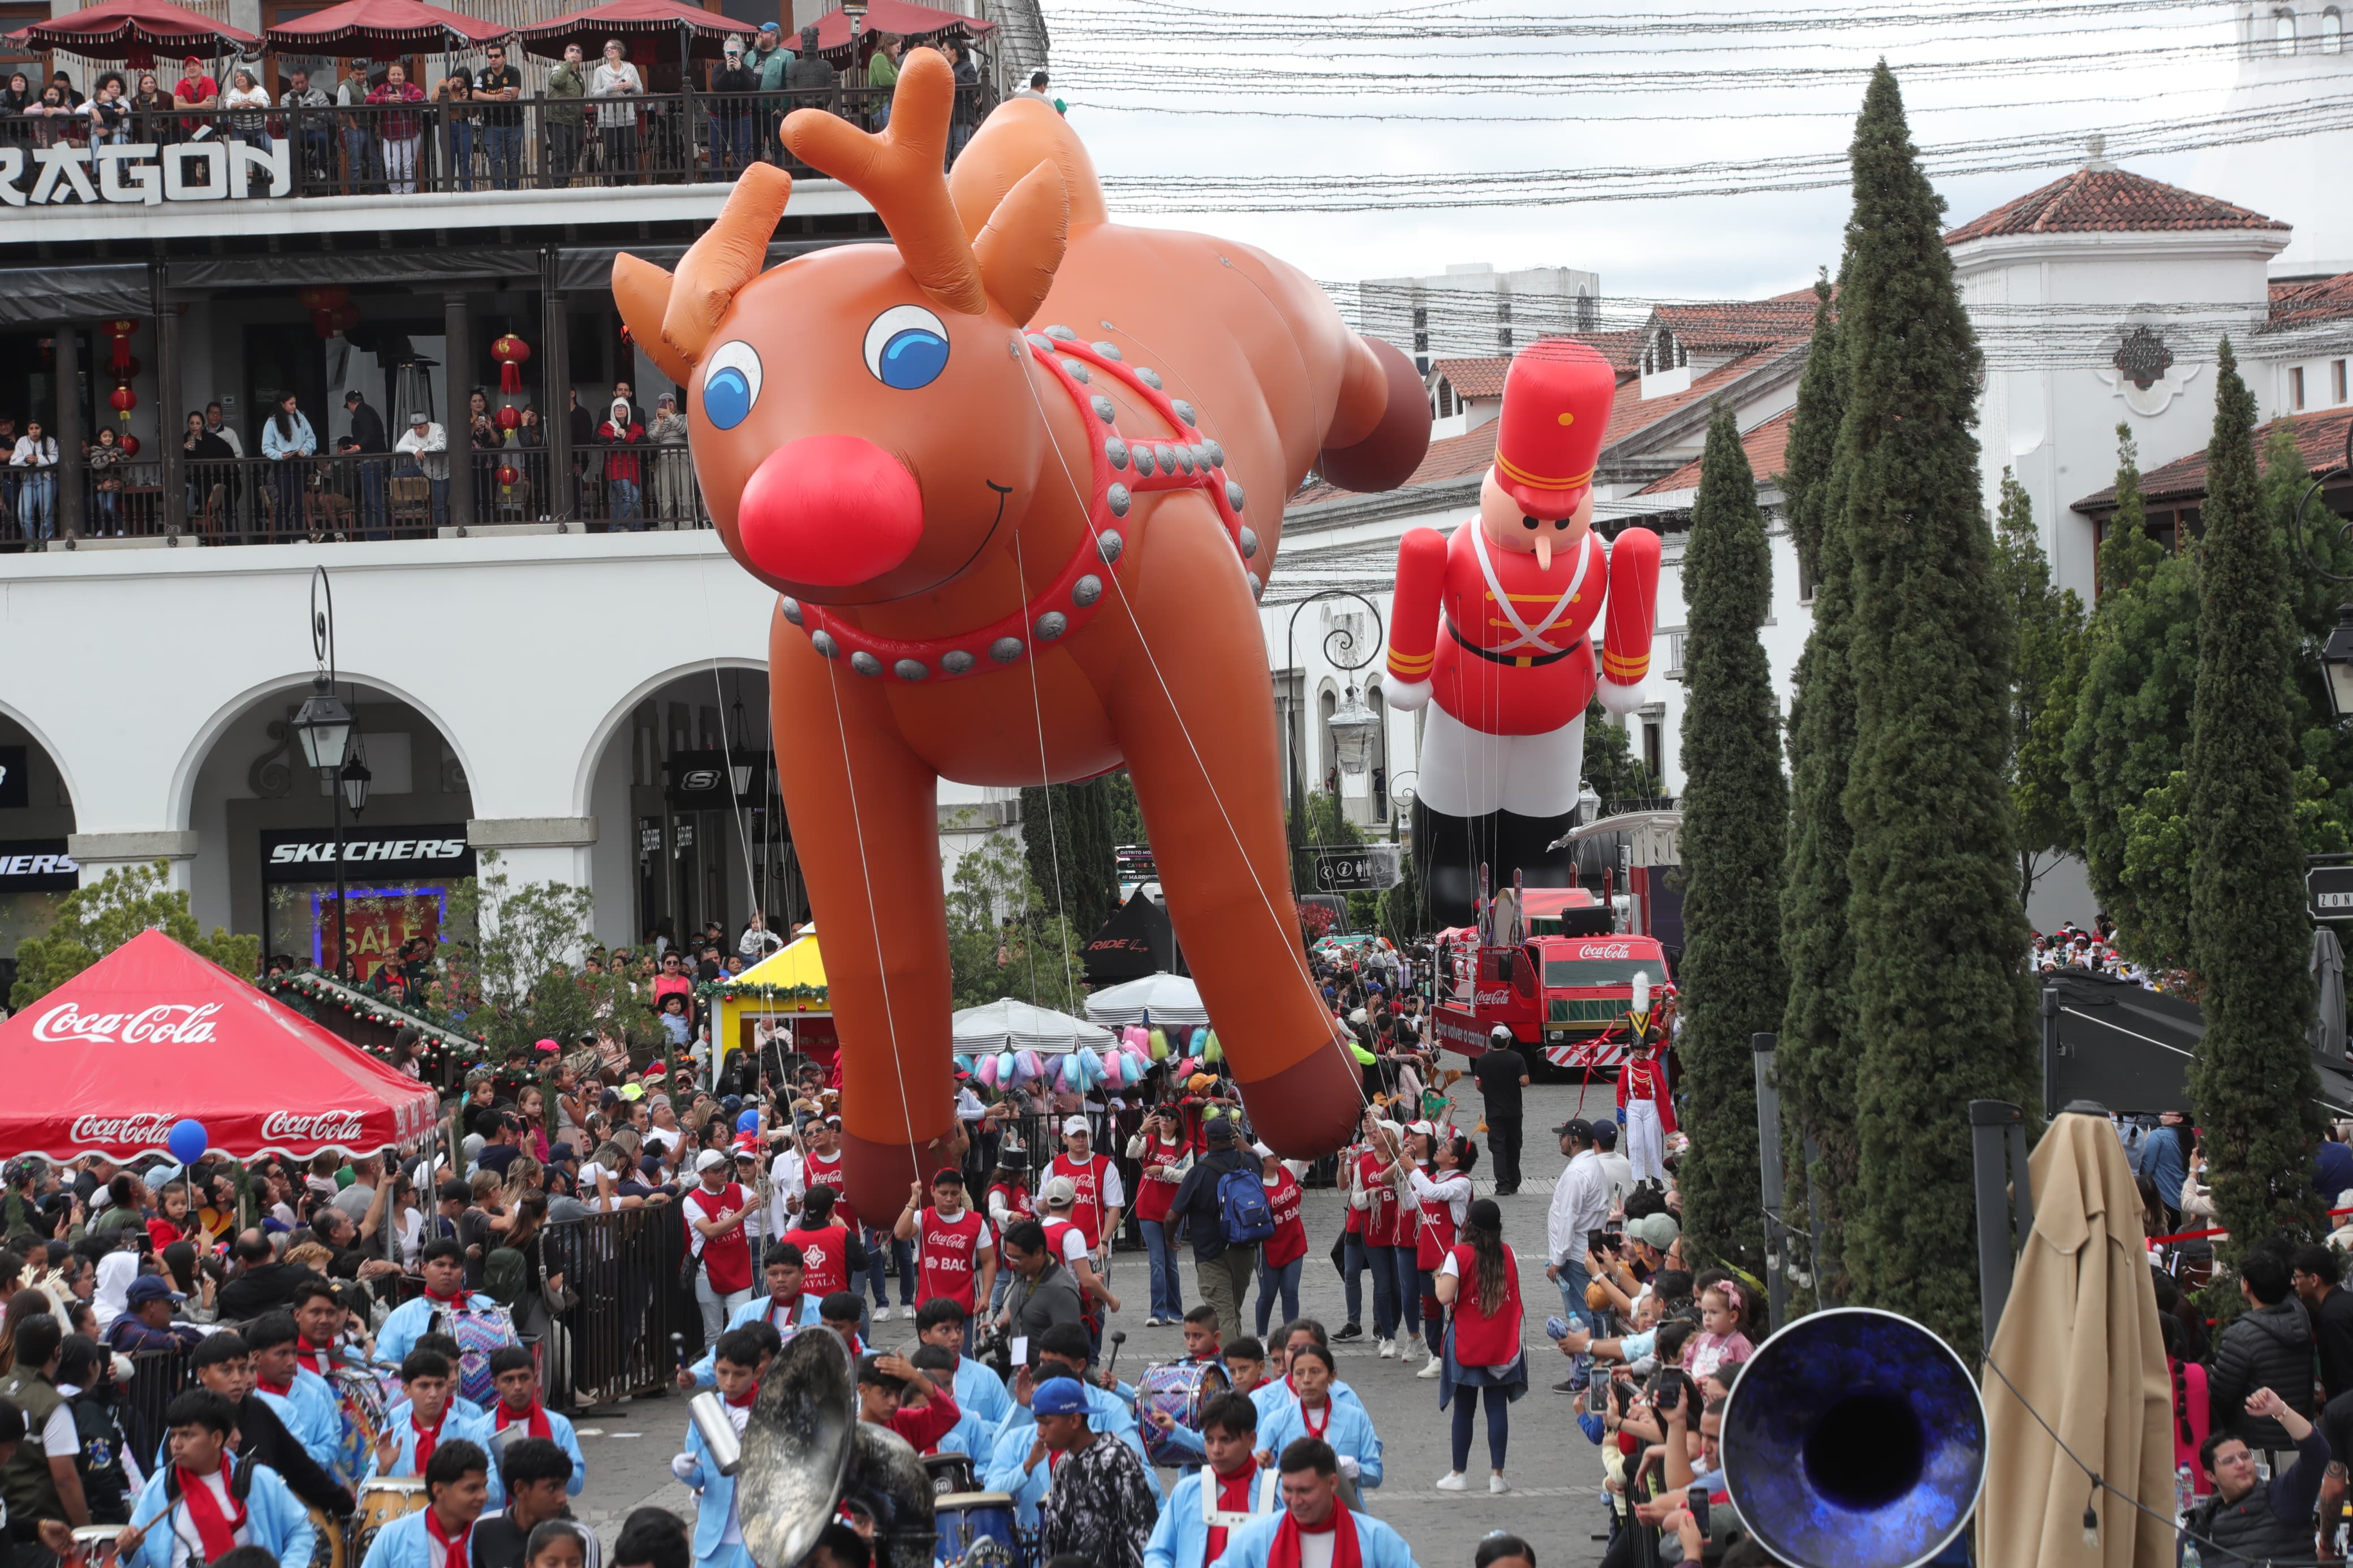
[(2110, 200), (1738, 326), (1767, 446), (1480, 377), (2320, 437), (1631, 412), (2299, 302)]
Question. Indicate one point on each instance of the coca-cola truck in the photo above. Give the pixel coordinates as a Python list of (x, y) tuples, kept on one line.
[(1565, 990)]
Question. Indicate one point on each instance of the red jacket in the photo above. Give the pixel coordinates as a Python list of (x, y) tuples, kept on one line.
[(1645, 1077), (925, 1427), (1541, 672)]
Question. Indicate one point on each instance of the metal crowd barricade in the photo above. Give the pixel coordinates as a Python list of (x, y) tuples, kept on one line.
[(157, 1377), (623, 1268)]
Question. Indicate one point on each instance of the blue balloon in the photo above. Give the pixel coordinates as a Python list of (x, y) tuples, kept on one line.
[(747, 1122), (187, 1141)]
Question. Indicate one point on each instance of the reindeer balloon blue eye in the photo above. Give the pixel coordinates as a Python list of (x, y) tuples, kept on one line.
[(731, 384), (906, 347)]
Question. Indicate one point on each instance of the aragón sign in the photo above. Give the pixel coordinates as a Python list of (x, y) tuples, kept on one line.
[(143, 173)]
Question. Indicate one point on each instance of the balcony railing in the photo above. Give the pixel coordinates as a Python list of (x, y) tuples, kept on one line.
[(351, 496), (433, 147)]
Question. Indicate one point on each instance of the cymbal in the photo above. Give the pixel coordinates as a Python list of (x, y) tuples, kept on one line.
[(796, 1448)]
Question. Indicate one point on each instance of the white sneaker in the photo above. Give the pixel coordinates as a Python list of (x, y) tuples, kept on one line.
[(881, 1314), (1453, 1481), (1433, 1369), (1389, 1349), (1497, 1485)]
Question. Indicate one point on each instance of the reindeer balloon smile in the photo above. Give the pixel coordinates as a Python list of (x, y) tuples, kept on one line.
[(1017, 478)]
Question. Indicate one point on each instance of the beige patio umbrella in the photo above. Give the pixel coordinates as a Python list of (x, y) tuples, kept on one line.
[(2079, 1341)]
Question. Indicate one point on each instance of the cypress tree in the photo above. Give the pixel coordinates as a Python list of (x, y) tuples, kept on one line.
[(2050, 623), (1943, 1007), (2253, 1080), (1735, 809), (1814, 1059), (1068, 833)]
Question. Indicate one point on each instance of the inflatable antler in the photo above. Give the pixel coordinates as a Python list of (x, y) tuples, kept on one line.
[(684, 310), (900, 172)]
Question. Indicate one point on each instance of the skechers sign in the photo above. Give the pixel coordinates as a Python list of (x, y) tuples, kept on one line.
[(142, 174), (307, 854), (38, 866)]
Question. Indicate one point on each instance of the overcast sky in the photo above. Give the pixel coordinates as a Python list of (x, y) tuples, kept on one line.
[(1137, 79)]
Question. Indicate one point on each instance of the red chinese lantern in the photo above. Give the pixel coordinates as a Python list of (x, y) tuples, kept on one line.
[(507, 475), (322, 323), (322, 297), (130, 445), (343, 318), (122, 400), (118, 361), (508, 417), (511, 351)]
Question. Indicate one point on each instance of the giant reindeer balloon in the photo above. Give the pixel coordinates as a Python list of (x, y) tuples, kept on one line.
[(1011, 553)]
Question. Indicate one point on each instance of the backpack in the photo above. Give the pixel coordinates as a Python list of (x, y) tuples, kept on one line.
[(1247, 1217)]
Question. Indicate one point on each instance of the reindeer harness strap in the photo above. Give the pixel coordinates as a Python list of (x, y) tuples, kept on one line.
[(1123, 468)]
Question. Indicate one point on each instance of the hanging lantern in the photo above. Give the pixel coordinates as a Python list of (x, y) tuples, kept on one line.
[(120, 364), (322, 297), (343, 318), (130, 445), (508, 417), (122, 400), (511, 352), (508, 476)]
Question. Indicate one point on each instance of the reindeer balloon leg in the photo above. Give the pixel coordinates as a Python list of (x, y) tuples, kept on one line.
[(1018, 478)]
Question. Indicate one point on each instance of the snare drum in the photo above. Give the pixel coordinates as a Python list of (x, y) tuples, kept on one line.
[(359, 1397), (94, 1543), (1178, 1389), (381, 1500), (977, 1531)]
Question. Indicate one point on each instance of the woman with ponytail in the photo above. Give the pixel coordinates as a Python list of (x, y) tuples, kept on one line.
[(1479, 1282)]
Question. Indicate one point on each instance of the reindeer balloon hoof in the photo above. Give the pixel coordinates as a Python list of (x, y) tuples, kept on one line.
[(1018, 478)]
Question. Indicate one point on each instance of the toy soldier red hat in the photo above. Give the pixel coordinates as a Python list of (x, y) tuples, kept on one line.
[(1555, 411)]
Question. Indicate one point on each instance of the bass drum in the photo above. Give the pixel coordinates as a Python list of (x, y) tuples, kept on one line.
[(360, 1399), (381, 1500), (94, 1544), (1176, 1390), (327, 1546)]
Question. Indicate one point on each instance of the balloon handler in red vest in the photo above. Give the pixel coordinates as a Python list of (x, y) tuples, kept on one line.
[(1497, 625)]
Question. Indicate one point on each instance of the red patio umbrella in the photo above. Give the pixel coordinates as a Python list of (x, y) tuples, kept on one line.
[(704, 33), (916, 24), (134, 32), (383, 30), (151, 1033)]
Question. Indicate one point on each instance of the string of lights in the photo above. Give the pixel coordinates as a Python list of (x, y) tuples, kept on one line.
[(1162, 18)]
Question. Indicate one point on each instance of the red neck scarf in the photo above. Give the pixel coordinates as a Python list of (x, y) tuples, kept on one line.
[(216, 1531), (280, 1389), (1307, 1418), (452, 1302), (427, 1440), (1284, 1552), (1233, 1496), (535, 1417), (321, 1357), (453, 1547), (750, 1394)]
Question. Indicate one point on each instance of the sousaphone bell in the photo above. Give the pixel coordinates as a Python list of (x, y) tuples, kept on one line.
[(806, 1454), (1854, 1438)]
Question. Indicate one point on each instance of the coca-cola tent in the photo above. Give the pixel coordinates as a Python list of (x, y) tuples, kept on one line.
[(151, 1033)]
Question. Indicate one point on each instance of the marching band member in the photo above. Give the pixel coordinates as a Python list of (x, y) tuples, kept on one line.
[(718, 1530), (1312, 1508), (441, 1533), (447, 1349), (787, 1308), (953, 1247), (1204, 1506), (204, 1505), (515, 1373), (1245, 1362), (971, 1435), (535, 1476), (221, 1363), (1312, 1411), (884, 1384), (1271, 1394), (319, 1316), (304, 1402), (941, 1323), (406, 1447), (444, 1267)]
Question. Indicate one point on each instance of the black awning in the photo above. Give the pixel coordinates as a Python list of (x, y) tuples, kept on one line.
[(1136, 941), (352, 268), (588, 268), (39, 295)]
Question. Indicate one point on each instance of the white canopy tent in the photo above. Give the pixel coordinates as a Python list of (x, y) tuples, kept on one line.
[(1167, 998), (1007, 1025)]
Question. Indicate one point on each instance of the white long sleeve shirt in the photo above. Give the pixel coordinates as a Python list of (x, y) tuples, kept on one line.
[(1580, 1205)]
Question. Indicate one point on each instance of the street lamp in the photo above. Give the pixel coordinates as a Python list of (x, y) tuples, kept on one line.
[(2337, 653), (323, 723), (355, 778), (327, 731), (1362, 723)]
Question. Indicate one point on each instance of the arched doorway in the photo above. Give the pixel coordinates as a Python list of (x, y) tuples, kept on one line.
[(37, 815)]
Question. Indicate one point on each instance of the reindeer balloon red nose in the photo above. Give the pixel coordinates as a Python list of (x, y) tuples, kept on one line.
[(1017, 477)]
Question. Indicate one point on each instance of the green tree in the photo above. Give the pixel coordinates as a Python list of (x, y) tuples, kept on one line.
[(2050, 669), (95, 920), (1814, 1059), (1735, 809), (1610, 769), (2131, 724), (2253, 1080), (508, 961), (1943, 1007), (1126, 815), (1002, 942), (1068, 831)]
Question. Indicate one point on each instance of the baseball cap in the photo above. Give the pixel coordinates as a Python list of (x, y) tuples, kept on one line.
[(352, 396), (1076, 1124), (1217, 1130), (1576, 1126), (708, 1160), (1654, 1230), (1058, 1193), (770, 28), (1059, 1396), (421, 419), (1261, 1151), (152, 1287)]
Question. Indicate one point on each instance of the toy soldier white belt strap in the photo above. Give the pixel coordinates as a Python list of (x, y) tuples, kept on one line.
[(1233, 1519), (1530, 637)]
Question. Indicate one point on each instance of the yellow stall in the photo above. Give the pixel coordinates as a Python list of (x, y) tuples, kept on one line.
[(787, 987)]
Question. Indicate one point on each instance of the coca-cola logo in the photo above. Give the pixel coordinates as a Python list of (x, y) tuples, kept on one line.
[(145, 1128), (1606, 950), (318, 1126), (1496, 998), (165, 1024)]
